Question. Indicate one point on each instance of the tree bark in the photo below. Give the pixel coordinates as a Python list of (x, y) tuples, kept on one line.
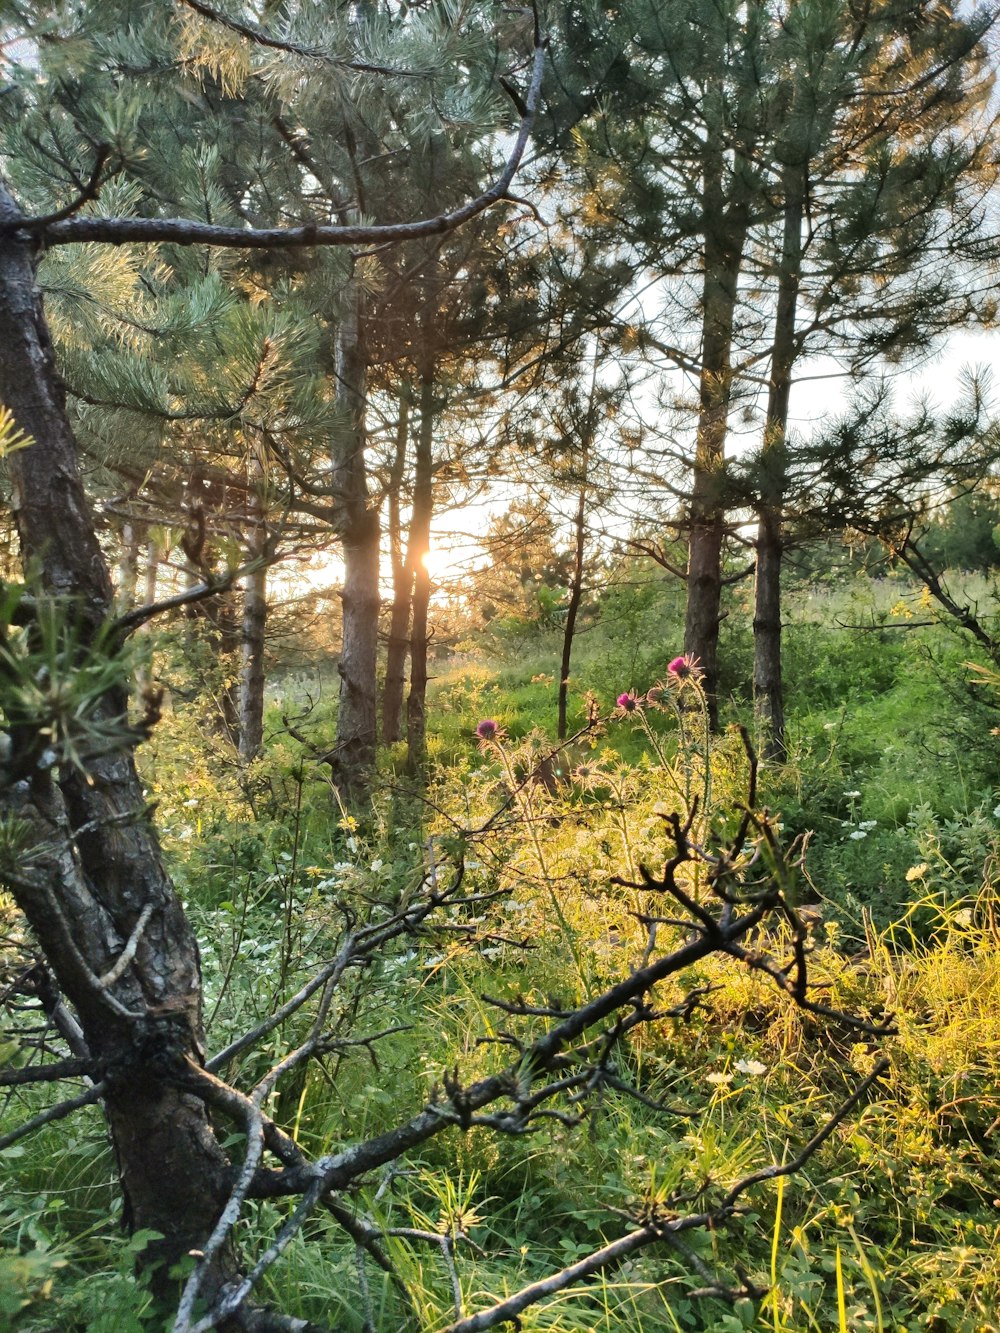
[(768, 690), (357, 525), (725, 236), (226, 640), (87, 892), (402, 585), (418, 547)]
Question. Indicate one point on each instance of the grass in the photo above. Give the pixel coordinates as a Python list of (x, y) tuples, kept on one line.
[(894, 1225)]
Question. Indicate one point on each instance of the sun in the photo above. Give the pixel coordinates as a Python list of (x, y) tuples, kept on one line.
[(442, 564)]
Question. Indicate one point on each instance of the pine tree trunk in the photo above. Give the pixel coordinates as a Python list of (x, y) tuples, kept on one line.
[(128, 568), (402, 586), (417, 550), (253, 638), (357, 525), (152, 570), (145, 671), (725, 235), (573, 609), (90, 891), (767, 678), (226, 639)]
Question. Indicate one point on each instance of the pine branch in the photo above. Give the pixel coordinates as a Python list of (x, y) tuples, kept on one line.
[(88, 191), (187, 231), (252, 32)]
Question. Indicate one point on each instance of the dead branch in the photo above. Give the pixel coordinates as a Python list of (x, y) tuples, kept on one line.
[(55, 1072), (58, 1112)]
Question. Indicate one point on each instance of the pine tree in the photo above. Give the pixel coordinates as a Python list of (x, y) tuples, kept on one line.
[(96, 895), (881, 166), (802, 165)]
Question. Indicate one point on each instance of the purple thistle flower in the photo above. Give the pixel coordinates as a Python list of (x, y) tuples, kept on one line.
[(684, 669), (488, 729), (627, 702)]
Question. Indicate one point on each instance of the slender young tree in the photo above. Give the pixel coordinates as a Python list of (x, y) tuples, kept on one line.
[(356, 522), (398, 636)]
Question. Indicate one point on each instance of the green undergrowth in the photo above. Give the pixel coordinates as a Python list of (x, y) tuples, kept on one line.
[(891, 1225)]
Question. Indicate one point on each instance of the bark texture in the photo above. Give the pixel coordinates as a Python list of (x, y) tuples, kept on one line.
[(357, 525), (88, 894), (725, 237), (767, 677)]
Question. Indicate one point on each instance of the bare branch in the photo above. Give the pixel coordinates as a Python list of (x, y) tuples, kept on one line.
[(141, 615), (57, 1112), (128, 953), (508, 1310), (54, 1072), (661, 1228), (814, 1144)]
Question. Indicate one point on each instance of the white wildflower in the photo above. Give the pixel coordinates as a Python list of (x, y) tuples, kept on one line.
[(753, 1067), (858, 834), (852, 795), (719, 1077)]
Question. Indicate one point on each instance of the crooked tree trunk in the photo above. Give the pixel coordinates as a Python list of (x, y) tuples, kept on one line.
[(402, 585), (725, 237), (767, 680), (418, 547), (87, 894), (357, 525)]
